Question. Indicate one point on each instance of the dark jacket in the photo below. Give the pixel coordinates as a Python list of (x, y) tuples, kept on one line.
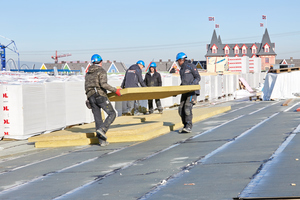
[(96, 80), (154, 80), (133, 77), (189, 75)]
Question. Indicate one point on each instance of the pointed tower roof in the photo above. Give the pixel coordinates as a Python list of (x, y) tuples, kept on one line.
[(266, 41), (215, 42), (219, 40), (214, 39)]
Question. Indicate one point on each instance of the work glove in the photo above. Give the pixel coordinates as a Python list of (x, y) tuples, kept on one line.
[(118, 92)]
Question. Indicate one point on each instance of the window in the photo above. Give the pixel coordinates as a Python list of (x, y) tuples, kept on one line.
[(254, 51), (214, 49), (226, 49), (266, 49), (244, 49), (236, 51), (266, 60)]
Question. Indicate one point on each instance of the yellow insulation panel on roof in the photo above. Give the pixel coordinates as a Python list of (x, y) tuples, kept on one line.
[(144, 93)]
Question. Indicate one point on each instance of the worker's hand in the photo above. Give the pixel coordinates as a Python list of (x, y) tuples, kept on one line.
[(118, 92)]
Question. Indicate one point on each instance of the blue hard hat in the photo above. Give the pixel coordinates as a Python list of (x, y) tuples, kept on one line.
[(96, 58), (140, 62), (153, 64), (180, 56)]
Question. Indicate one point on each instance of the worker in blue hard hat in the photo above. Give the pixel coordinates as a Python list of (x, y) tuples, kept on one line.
[(153, 79), (133, 78), (96, 87), (189, 75)]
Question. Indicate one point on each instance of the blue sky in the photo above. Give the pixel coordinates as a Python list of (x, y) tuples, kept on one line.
[(131, 30)]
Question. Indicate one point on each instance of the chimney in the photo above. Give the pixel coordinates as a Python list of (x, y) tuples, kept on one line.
[(160, 60), (78, 61), (291, 59), (169, 60)]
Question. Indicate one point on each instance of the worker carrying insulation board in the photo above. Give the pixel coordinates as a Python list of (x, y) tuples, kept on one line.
[(96, 87), (189, 75), (133, 78)]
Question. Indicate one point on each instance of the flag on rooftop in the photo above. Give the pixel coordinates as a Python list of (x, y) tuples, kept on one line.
[(261, 24), (211, 18), (217, 26), (264, 17)]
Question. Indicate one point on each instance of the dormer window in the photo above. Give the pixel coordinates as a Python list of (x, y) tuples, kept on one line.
[(244, 49), (266, 49), (226, 49), (254, 49), (236, 49), (214, 49)]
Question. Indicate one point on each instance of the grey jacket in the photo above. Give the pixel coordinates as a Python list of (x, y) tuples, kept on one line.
[(96, 80)]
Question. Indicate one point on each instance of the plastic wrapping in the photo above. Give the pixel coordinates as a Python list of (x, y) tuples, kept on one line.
[(75, 102), (2, 110), (55, 105), (281, 86), (25, 110), (167, 80)]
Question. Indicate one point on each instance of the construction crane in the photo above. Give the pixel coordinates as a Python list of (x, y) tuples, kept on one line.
[(55, 58), (2, 53)]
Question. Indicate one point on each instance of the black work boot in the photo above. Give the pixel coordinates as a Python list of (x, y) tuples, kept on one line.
[(101, 134)]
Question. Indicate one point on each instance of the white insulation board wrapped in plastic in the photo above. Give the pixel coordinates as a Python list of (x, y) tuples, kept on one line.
[(26, 115), (201, 97), (75, 102), (167, 80), (225, 81), (2, 110), (55, 105), (281, 86)]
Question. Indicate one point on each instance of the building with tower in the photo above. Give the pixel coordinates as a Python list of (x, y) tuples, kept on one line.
[(264, 50)]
